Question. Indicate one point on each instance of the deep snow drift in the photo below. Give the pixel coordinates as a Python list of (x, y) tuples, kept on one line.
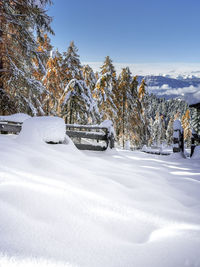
[(63, 207)]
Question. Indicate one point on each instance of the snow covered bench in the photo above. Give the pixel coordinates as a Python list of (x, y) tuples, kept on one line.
[(91, 132), (102, 134)]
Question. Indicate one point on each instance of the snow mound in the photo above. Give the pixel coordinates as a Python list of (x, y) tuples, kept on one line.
[(109, 125), (196, 154), (43, 129), (18, 117), (177, 125)]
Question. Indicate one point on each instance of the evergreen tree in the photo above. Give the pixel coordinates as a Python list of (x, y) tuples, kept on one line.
[(71, 66), (170, 131), (78, 105), (44, 48), (53, 82), (158, 130), (196, 120), (145, 112), (19, 21), (89, 77), (104, 91), (129, 124)]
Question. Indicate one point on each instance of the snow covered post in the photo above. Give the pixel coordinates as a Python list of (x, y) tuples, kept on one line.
[(110, 132), (192, 143), (194, 140), (178, 141)]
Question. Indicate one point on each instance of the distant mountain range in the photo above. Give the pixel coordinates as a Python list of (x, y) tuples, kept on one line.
[(167, 87), (169, 80)]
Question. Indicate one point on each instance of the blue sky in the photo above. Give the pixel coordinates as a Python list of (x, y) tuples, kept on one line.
[(132, 31)]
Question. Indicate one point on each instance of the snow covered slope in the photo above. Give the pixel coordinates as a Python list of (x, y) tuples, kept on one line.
[(63, 207)]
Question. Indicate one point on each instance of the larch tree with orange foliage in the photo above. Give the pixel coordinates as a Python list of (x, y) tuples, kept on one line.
[(53, 81), (20, 19), (143, 98), (186, 127)]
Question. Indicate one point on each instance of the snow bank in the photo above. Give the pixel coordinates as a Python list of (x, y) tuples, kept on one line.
[(43, 129), (18, 117), (196, 154), (91, 209)]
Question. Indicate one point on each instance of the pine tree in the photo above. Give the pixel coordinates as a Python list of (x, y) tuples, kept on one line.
[(53, 81), (145, 112), (89, 77), (78, 105), (158, 130), (170, 131), (123, 107), (129, 121), (71, 66), (19, 21), (104, 91), (44, 48), (196, 120)]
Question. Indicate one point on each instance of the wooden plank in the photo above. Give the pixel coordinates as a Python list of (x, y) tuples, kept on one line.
[(92, 127), (90, 147), (11, 122), (176, 149), (4, 127), (87, 135), (157, 153)]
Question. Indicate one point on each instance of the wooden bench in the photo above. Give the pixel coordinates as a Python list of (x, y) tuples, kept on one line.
[(76, 132)]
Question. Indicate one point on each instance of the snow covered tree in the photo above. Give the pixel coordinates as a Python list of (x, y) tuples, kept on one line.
[(196, 120), (53, 81), (145, 112), (71, 65), (78, 105), (123, 96), (89, 77), (170, 131), (44, 48), (129, 122), (20, 20), (158, 130), (104, 91)]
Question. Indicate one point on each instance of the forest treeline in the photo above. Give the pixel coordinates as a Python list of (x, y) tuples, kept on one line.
[(38, 80)]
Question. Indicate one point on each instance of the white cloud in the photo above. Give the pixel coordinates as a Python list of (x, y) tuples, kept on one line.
[(191, 94), (173, 70)]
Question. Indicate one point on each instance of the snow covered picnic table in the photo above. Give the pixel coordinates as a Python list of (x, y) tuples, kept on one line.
[(63, 207)]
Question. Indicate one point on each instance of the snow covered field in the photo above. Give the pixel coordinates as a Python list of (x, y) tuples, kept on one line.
[(63, 207)]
